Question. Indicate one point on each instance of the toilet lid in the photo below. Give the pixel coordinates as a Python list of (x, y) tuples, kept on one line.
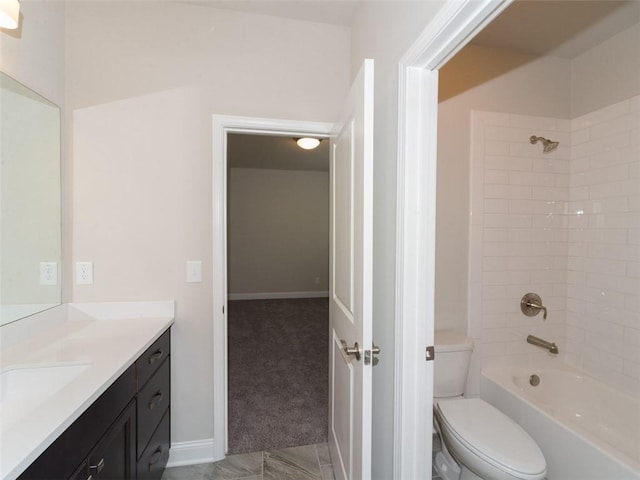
[(492, 436)]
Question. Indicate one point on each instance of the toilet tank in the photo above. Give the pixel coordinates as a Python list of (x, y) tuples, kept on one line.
[(451, 363)]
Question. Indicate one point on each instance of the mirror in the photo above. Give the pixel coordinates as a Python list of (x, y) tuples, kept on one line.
[(30, 230)]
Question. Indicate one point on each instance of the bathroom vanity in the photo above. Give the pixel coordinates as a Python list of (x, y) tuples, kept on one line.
[(89, 396)]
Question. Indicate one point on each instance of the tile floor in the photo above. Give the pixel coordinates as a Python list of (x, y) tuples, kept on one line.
[(310, 462)]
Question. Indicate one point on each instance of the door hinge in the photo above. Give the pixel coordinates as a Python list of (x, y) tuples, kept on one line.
[(431, 353)]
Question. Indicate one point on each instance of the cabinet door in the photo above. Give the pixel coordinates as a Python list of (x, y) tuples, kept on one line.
[(114, 456)]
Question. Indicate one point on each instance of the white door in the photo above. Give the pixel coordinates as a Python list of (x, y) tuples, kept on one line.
[(350, 298)]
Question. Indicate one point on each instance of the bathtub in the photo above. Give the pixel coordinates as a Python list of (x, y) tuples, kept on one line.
[(586, 429)]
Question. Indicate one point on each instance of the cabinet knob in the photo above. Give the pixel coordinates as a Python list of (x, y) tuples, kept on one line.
[(155, 458), (98, 468), (157, 398), (155, 357)]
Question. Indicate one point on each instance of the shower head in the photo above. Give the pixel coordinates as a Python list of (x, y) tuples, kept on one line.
[(547, 145)]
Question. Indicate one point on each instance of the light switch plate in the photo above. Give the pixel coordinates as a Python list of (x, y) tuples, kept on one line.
[(84, 273), (194, 271)]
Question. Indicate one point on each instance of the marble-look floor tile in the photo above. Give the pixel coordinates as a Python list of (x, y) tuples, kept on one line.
[(295, 463), (324, 457), (233, 467), (327, 472), (190, 472)]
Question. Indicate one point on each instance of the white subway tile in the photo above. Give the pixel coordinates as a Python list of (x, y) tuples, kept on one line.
[(614, 189), (634, 236), (490, 264), (551, 165), (607, 205), (632, 336), (507, 191), (634, 203), (578, 193), (506, 249), (601, 115), (530, 263), (604, 302), (597, 176), (613, 283), (611, 127), (516, 164), (496, 148), (579, 165), (614, 220), (580, 136), (615, 252), (550, 193), (633, 270), (531, 178), (628, 154), (531, 206), (632, 369), (550, 221), (634, 103), (506, 278), (492, 118), (507, 134), (604, 144), (496, 177), (606, 267), (496, 235), (496, 205), (500, 220)]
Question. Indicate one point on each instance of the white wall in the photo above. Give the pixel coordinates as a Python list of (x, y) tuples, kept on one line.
[(384, 31), (144, 79), (480, 78), (614, 64), (278, 231)]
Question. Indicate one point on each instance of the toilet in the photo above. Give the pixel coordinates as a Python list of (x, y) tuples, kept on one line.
[(479, 442)]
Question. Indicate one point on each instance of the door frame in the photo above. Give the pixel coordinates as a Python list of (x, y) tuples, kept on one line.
[(457, 22), (222, 125)]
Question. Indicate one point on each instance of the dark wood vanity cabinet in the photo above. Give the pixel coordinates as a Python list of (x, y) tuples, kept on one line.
[(124, 435)]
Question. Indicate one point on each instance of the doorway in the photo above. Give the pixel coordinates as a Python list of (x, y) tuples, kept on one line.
[(224, 127), (277, 278)]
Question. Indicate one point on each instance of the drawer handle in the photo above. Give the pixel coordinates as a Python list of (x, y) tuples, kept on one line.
[(155, 458), (98, 468), (157, 398), (156, 356)]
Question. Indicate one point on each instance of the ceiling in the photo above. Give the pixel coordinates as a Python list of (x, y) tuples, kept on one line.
[(559, 28), (275, 152)]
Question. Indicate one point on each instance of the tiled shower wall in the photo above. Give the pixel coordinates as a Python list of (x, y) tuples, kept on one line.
[(603, 304), (564, 225)]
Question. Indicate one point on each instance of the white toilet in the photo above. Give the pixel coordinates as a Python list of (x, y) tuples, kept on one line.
[(479, 441)]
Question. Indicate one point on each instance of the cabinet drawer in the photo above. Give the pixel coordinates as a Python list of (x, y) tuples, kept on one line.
[(154, 458), (153, 401), (152, 358)]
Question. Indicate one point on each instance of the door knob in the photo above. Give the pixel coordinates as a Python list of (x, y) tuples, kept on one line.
[(353, 351)]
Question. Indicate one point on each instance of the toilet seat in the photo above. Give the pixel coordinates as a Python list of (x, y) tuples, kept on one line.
[(490, 437)]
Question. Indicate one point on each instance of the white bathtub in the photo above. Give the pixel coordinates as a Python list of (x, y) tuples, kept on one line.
[(586, 429)]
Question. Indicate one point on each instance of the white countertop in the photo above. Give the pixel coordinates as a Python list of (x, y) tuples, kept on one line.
[(65, 359)]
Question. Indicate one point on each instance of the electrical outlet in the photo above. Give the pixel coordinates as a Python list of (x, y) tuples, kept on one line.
[(48, 273), (84, 273)]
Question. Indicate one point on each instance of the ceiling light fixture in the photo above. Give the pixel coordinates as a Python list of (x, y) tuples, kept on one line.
[(307, 143), (9, 14)]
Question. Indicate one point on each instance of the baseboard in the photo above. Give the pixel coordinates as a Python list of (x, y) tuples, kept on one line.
[(192, 453), (273, 295)]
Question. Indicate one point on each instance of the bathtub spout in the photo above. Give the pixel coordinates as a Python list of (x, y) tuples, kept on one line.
[(552, 347)]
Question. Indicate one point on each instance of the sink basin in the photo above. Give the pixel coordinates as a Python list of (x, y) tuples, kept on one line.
[(24, 388)]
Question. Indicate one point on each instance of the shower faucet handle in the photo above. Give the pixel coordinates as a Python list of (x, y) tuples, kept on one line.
[(531, 304)]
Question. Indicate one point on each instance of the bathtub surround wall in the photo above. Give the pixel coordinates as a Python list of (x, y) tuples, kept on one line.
[(603, 269), (564, 225)]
